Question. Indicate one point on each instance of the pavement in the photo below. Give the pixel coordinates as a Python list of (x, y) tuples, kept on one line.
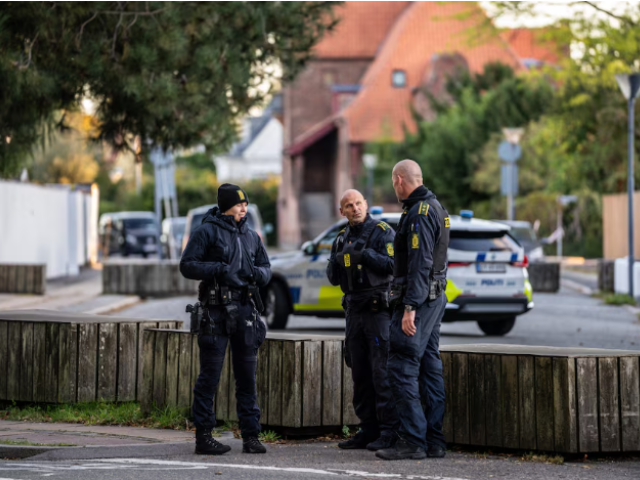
[(81, 293)]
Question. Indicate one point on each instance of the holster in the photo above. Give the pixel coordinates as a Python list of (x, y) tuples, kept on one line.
[(436, 288), (231, 318), (396, 294), (379, 302), (199, 319), (253, 293)]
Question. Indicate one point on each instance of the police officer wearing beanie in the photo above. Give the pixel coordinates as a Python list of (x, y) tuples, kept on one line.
[(417, 294), (361, 262), (231, 262)]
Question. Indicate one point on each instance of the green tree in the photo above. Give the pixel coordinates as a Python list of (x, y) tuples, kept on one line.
[(175, 74)]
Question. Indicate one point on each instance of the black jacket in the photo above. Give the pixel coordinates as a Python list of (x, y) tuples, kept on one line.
[(377, 256), (226, 251), (419, 231)]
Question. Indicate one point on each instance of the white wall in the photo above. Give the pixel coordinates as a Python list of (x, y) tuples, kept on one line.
[(45, 224)]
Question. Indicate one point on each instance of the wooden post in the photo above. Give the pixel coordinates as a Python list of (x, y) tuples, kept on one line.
[(477, 402), (292, 384), (460, 401), (331, 382), (630, 403), (26, 363), (609, 405), (107, 361), (312, 381), (527, 402), (184, 369), (127, 361), (493, 395), (587, 384)]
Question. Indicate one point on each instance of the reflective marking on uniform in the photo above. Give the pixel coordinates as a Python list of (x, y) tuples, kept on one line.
[(514, 257), (390, 249), (383, 226), (415, 242), (424, 208), (241, 194), (452, 291), (347, 260), (481, 257), (446, 222)]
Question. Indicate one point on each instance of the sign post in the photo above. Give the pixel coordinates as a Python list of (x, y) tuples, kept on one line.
[(509, 152)]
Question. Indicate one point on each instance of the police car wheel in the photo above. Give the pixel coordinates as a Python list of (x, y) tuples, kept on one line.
[(276, 306), (497, 327)]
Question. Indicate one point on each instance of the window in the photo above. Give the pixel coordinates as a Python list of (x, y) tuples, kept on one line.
[(399, 78), (325, 244), (482, 242)]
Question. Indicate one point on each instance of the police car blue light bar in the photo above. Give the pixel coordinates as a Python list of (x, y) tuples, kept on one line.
[(376, 210), (468, 214)]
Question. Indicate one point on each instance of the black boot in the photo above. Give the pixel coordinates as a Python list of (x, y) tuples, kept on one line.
[(252, 445), (386, 440), (436, 451), (403, 450), (358, 442), (207, 445)]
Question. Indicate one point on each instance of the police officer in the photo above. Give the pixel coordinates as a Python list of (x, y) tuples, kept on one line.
[(230, 260), (361, 262), (417, 293)]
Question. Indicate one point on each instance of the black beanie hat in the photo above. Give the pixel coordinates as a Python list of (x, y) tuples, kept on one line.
[(230, 195)]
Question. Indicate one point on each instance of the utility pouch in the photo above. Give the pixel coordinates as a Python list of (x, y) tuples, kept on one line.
[(254, 294), (396, 294), (224, 297), (379, 302), (231, 318)]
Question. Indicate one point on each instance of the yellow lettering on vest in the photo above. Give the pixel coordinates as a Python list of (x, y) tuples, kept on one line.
[(446, 222), (347, 260)]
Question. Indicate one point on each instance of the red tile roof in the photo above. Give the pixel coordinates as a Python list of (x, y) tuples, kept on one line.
[(422, 30), (533, 44), (363, 26)]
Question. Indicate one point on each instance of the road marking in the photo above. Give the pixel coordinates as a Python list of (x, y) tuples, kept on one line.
[(152, 464)]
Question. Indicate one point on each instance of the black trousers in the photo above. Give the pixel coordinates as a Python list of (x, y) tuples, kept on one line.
[(367, 351), (245, 341)]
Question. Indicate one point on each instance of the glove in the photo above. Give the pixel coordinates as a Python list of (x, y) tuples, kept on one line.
[(222, 274), (367, 257)]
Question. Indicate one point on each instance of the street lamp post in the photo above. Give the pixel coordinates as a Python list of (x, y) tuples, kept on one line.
[(370, 160), (630, 85)]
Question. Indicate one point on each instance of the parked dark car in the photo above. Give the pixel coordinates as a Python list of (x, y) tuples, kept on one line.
[(171, 237), (129, 233)]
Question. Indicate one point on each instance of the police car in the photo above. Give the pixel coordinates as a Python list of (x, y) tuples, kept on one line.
[(487, 277)]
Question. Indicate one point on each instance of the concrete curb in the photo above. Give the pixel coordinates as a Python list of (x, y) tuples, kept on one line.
[(570, 284), (119, 305)]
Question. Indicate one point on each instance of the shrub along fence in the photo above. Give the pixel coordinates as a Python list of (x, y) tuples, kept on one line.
[(23, 278), (61, 357), (564, 400)]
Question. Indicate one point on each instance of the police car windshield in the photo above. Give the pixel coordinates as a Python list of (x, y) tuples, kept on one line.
[(196, 221), (139, 224), (482, 241)]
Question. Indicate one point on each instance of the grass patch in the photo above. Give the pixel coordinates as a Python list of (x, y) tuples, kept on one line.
[(269, 436), (126, 414), (33, 444), (533, 457), (616, 298)]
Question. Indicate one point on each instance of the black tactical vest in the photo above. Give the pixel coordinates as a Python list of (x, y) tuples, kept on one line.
[(401, 244), (358, 277)]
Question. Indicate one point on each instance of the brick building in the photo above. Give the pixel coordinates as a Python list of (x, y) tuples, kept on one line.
[(361, 87)]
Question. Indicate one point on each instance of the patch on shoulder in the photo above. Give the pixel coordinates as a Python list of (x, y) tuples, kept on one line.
[(390, 249), (342, 231), (383, 226), (424, 209)]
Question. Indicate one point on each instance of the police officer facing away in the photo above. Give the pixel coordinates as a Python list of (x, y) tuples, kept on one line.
[(417, 293), (230, 260), (361, 262)]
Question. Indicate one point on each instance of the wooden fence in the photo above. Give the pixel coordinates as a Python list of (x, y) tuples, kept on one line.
[(544, 277), (565, 400), (60, 357), (23, 278), (146, 278)]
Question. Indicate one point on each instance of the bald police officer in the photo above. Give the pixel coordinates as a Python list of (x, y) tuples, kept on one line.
[(417, 293), (361, 262)]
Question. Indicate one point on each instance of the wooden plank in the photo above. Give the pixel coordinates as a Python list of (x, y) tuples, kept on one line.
[(292, 384), (331, 383), (527, 402), (564, 404), (29, 275), (184, 370), (146, 355), (26, 363), (493, 396), (20, 278), (160, 369), (262, 381), (52, 362), (141, 353), (544, 403), (3, 279), (222, 394), (10, 279), (173, 354), (40, 280), (586, 395), (349, 416), (510, 428), (4, 354), (630, 404), (233, 402), (312, 384), (127, 361), (107, 361), (87, 361), (477, 401), (14, 360), (275, 383), (609, 404), (39, 362), (447, 426), (460, 401), (68, 363), (195, 366)]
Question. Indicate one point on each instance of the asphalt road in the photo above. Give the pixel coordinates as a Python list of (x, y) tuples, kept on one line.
[(563, 319)]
